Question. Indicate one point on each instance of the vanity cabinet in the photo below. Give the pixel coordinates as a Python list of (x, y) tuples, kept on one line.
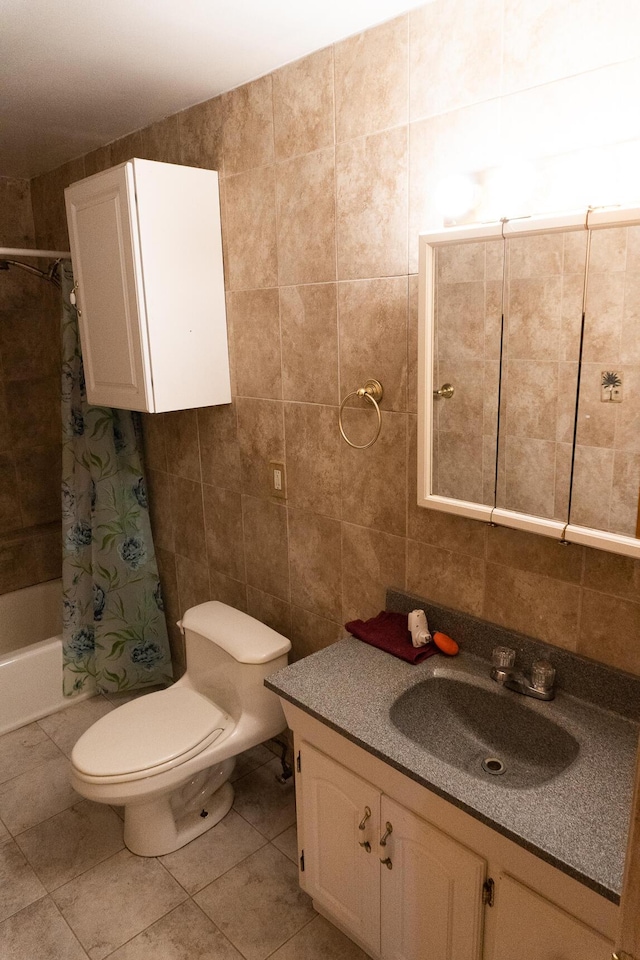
[(453, 889), (529, 927), (147, 258), (401, 888)]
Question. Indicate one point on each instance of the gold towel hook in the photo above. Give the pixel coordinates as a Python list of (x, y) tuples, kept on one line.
[(373, 392)]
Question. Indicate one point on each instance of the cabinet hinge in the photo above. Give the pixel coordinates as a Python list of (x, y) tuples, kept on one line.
[(298, 763), (302, 862), (488, 888)]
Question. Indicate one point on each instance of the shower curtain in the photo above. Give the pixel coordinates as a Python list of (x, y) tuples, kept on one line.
[(114, 628)]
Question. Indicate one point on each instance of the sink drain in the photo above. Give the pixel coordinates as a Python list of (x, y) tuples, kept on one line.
[(493, 766)]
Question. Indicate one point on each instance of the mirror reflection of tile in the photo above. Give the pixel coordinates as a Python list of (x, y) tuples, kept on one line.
[(538, 282)]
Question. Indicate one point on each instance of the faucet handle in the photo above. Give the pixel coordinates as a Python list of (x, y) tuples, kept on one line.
[(543, 675), (503, 658)]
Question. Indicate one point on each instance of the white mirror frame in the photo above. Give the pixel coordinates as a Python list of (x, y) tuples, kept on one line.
[(591, 219)]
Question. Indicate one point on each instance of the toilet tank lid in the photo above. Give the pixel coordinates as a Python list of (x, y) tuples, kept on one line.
[(244, 638)]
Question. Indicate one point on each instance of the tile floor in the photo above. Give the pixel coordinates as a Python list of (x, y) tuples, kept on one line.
[(70, 890)]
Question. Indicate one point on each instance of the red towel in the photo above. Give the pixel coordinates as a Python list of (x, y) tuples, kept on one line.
[(388, 631)]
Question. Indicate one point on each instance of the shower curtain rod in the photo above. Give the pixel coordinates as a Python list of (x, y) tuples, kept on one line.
[(15, 252)]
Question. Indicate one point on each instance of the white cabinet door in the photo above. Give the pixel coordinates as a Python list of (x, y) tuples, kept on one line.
[(432, 895), (147, 254), (528, 927), (340, 873), (104, 236)]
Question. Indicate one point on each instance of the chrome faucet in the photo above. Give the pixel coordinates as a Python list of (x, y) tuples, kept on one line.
[(542, 679)]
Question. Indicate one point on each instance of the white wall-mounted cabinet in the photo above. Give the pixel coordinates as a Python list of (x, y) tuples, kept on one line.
[(146, 248)]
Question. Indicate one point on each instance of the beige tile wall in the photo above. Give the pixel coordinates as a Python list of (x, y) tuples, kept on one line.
[(328, 167), (29, 408)]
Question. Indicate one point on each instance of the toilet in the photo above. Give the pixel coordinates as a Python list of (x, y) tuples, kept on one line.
[(167, 756)]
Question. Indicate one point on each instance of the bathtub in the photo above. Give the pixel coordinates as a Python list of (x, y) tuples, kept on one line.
[(31, 655)]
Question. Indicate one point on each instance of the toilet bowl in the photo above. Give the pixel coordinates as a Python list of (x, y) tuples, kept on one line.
[(167, 756)]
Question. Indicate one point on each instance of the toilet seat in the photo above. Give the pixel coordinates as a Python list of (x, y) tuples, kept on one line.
[(148, 735)]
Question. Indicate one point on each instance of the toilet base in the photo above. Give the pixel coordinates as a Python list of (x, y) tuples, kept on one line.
[(151, 830)]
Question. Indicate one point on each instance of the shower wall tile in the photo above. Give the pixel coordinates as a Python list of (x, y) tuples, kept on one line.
[(29, 335), (612, 574), (10, 518), (309, 632), (261, 439), (193, 583), (98, 160), (374, 481), (309, 325), (219, 449), (160, 508), (274, 612), (452, 579), (49, 215), (155, 450), (226, 590), (5, 429), (188, 519), (39, 472), (371, 80), (34, 413), (161, 141), (306, 210), (200, 131), (266, 546), (303, 105), (223, 525), (125, 148), (29, 396), (371, 562), (545, 41), (180, 430), (249, 227), (254, 316), (17, 213), (314, 562), (526, 601), (313, 458), (446, 76), (372, 205), (247, 126), (606, 626), (373, 336), (541, 555)]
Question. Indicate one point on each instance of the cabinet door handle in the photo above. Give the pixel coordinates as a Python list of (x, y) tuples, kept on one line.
[(383, 839), (365, 843), (387, 863)]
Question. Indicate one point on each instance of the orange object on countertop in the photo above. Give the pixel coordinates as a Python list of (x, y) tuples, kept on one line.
[(446, 644)]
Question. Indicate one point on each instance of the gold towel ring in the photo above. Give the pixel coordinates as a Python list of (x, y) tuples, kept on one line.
[(372, 391)]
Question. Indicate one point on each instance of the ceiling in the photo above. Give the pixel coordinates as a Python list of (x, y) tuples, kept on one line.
[(76, 74)]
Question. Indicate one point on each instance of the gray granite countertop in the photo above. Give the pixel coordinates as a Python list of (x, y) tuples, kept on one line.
[(577, 821)]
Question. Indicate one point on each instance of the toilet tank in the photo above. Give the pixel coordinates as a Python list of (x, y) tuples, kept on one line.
[(228, 655)]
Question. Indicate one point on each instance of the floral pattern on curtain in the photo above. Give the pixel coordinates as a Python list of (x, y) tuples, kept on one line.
[(114, 629)]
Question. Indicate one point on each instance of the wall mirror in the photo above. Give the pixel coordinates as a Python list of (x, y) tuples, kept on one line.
[(529, 375)]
